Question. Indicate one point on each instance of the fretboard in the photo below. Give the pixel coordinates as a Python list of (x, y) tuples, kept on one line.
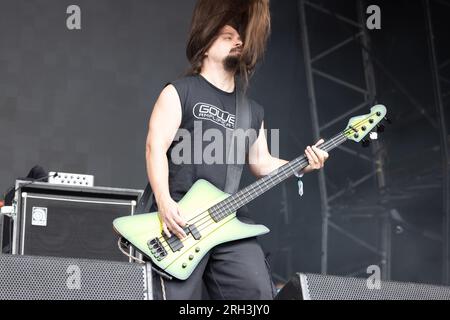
[(257, 188)]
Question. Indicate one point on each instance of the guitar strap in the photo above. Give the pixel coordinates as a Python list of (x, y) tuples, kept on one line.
[(236, 152), (145, 201)]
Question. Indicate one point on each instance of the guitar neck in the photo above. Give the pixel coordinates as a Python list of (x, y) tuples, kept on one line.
[(254, 190)]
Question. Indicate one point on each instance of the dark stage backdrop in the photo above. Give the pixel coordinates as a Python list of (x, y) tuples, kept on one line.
[(79, 101)]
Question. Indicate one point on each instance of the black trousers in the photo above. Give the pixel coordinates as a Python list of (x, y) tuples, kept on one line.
[(231, 271)]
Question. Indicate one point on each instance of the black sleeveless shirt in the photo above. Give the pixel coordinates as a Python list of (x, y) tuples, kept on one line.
[(212, 110)]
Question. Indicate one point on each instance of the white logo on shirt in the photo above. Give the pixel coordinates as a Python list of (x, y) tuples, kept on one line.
[(209, 112)]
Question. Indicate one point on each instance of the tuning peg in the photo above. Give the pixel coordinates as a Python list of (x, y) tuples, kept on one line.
[(366, 143), (380, 128), (388, 120)]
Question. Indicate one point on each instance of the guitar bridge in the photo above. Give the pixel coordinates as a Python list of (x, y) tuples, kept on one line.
[(157, 249)]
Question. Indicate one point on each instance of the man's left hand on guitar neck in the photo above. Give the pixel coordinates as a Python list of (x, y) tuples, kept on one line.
[(316, 157)]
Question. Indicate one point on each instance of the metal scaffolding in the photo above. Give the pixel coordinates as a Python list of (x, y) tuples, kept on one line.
[(379, 208), (368, 92), (439, 81)]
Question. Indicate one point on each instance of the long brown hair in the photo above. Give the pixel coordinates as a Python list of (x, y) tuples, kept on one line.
[(251, 18)]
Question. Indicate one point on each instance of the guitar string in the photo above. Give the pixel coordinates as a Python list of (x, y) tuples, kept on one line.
[(206, 214), (258, 183), (239, 200), (286, 167)]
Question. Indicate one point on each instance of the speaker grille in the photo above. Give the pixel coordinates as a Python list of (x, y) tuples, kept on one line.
[(319, 287), (44, 278)]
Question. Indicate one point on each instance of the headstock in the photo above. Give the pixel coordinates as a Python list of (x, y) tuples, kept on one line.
[(359, 127)]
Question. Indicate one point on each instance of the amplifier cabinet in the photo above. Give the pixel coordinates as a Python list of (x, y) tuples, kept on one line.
[(67, 221)]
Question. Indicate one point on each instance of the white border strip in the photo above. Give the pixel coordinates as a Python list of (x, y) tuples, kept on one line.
[(305, 288), (85, 201)]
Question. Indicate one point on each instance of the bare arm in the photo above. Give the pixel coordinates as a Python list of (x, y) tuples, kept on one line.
[(163, 125), (262, 163)]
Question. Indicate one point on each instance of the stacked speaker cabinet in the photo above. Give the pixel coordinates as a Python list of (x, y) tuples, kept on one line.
[(67, 221), (304, 286), (50, 278)]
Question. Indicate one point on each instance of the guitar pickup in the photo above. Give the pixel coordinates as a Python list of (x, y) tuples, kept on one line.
[(174, 243), (195, 233)]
